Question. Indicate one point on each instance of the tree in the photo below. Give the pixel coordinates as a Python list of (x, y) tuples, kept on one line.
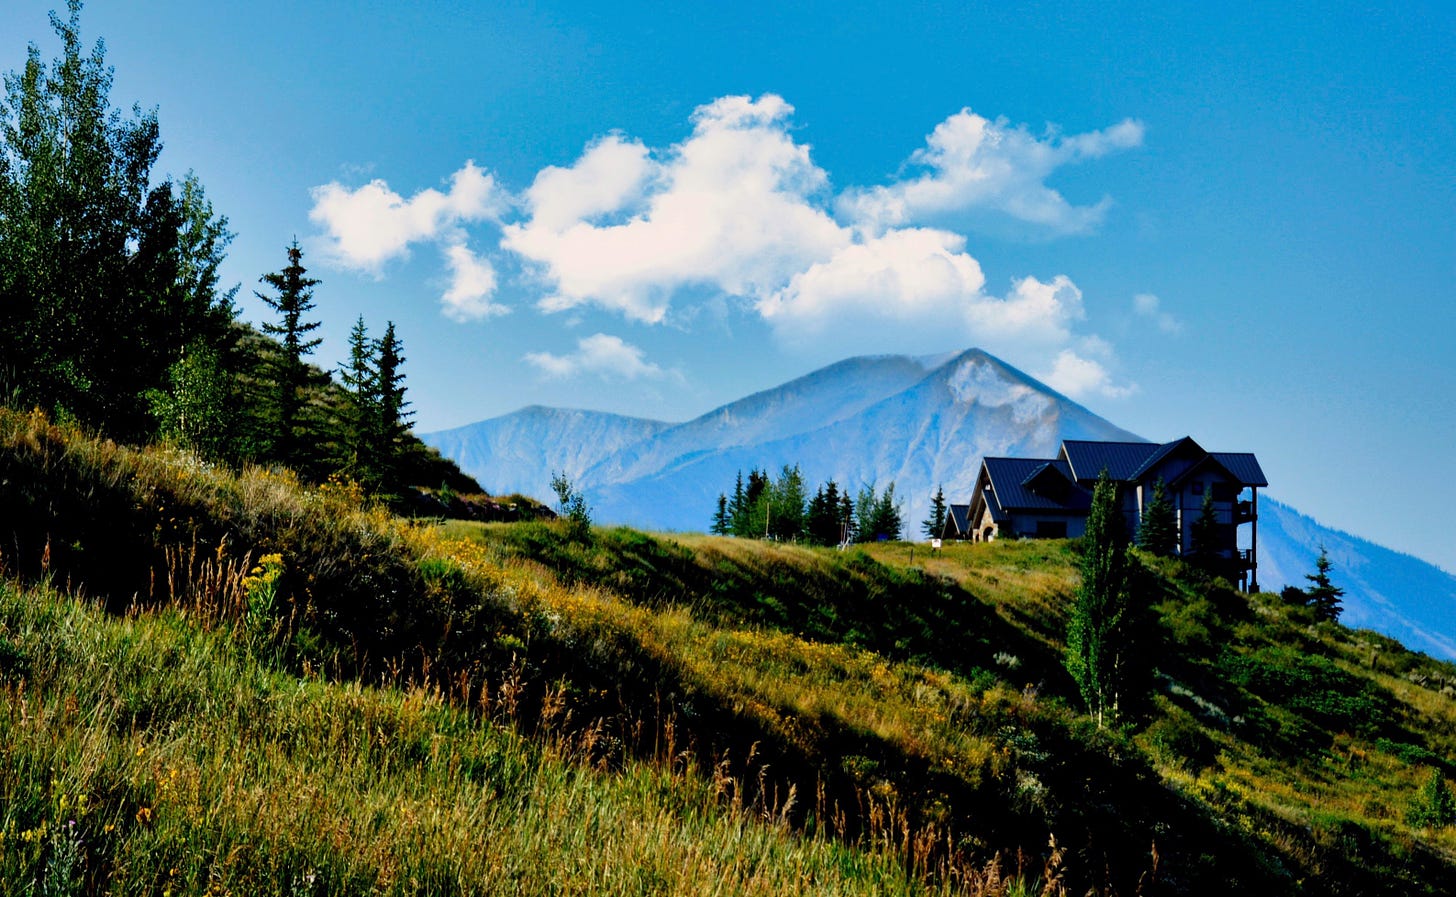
[(721, 522), (106, 278), (571, 504), (785, 496), (1434, 807), (1098, 633), (1206, 545), (392, 427), (195, 410), (360, 378), (1158, 529), (738, 509), (934, 525), (1323, 596), (824, 520), (877, 515), (292, 375)]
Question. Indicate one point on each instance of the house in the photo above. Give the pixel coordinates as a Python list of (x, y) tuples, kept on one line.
[(1049, 498)]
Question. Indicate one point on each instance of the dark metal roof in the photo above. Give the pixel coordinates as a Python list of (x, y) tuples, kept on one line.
[(1164, 451), (1244, 466), (960, 519), (1010, 478), (1120, 459)]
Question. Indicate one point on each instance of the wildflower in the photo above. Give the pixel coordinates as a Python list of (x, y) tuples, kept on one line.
[(144, 816)]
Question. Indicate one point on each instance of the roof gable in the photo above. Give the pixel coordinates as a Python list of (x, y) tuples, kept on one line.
[(1086, 459), (1028, 484)]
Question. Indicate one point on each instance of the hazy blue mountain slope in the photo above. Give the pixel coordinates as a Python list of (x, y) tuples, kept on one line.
[(808, 403), (1390, 592), (933, 433), (518, 452)]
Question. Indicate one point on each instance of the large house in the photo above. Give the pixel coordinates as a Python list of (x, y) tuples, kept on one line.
[(1050, 497)]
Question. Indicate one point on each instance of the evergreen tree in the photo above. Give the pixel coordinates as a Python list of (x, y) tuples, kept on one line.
[(722, 524), (824, 522), (1205, 536), (1099, 631), (846, 519), (392, 425), (360, 376), (1158, 529), (738, 509), (292, 376), (934, 525), (877, 516), (1323, 596)]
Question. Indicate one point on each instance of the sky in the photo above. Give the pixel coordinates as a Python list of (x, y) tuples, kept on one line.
[(1230, 221)]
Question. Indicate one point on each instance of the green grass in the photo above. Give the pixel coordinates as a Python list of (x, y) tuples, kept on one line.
[(516, 707)]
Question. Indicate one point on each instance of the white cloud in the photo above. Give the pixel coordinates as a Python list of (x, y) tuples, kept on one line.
[(372, 224), (1078, 377), (472, 283), (971, 162), (729, 209), (599, 354), (1148, 306)]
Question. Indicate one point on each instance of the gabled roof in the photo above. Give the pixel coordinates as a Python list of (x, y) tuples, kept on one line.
[(1120, 459), (1015, 485), (959, 519), (1244, 466), (1177, 446)]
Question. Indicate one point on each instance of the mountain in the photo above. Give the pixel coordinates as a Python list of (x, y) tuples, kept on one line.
[(1397, 594), (921, 423), (518, 452)]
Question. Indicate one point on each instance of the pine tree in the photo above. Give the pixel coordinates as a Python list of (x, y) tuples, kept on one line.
[(846, 518), (393, 426), (1323, 596), (1206, 547), (360, 377), (292, 376), (934, 525), (1098, 633), (824, 520), (1158, 529), (721, 522), (738, 509)]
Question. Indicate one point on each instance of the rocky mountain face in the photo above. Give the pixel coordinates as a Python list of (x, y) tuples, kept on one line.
[(920, 423)]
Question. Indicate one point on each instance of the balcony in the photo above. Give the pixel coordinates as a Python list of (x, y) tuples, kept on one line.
[(1244, 512)]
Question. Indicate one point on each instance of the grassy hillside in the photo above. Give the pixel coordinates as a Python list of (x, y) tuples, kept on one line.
[(257, 687)]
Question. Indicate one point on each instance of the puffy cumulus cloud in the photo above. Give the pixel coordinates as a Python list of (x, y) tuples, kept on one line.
[(1079, 377), (600, 354), (728, 209), (1149, 306), (608, 178), (472, 283), (370, 225), (972, 163), (910, 276)]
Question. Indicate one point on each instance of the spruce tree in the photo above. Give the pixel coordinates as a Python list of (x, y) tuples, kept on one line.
[(393, 419), (1323, 596), (292, 376), (360, 377), (934, 525), (1100, 629), (721, 523), (1205, 534), (1158, 529), (738, 509)]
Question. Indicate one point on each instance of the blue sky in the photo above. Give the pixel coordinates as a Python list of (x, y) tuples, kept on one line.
[(1231, 221)]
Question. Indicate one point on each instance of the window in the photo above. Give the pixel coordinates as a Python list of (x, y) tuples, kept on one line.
[(1051, 529)]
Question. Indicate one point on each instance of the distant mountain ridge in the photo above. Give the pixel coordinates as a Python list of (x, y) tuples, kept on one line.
[(921, 423)]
